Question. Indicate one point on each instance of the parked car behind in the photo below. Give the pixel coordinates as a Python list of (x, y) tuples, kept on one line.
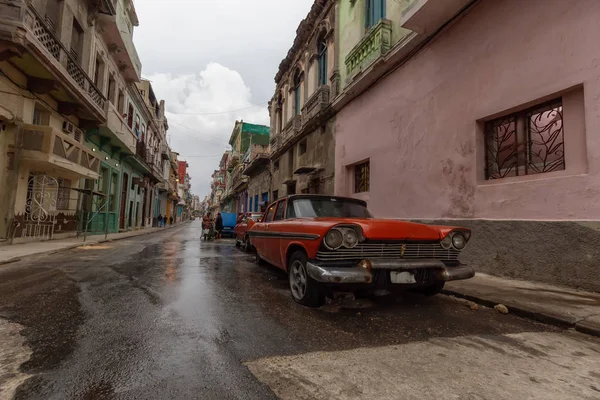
[(328, 242), (241, 230), (229, 220)]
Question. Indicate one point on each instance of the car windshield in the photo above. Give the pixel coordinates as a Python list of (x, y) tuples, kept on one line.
[(328, 207)]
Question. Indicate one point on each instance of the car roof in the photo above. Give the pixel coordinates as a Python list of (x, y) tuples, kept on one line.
[(323, 196)]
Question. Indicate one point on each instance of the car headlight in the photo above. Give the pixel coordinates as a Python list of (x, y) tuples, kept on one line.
[(447, 242), (459, 241), (350, 238), (334, 239)]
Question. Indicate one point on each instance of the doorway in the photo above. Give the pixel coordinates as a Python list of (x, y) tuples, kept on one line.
[(124, 186)]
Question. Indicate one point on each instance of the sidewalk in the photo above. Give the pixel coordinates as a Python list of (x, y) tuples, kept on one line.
[(16, 252), (561, 306)]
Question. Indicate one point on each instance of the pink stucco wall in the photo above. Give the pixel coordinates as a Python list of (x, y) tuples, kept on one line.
[(421, 126)]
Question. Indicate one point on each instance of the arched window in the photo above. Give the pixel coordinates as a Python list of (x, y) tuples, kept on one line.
[(322, 60), (297, 92)]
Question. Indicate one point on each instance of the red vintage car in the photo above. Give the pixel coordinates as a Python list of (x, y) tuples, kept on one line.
[(241, 229), (329, 242)]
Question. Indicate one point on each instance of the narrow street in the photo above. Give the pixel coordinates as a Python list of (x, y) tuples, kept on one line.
[(166, 316)]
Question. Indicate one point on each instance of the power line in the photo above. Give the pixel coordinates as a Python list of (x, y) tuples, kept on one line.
[(195, 131), (221, 112)]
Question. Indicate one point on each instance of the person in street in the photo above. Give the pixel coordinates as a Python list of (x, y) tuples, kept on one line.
[(160, 220), (171, 220), (219, 225)]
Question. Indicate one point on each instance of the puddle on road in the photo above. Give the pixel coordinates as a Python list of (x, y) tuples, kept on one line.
[(13, 353)]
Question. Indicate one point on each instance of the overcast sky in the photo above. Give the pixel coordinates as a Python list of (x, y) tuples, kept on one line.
[(206, 57)]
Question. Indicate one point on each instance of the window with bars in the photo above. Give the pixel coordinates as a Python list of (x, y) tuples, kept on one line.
[(64, 194), (362, 178), (526, 143)]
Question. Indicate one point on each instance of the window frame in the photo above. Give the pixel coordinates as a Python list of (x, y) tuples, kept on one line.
[(374, 12), (280, 206), (521, 158), (322, 53), (269, 217), (302, 147), (362, 187)]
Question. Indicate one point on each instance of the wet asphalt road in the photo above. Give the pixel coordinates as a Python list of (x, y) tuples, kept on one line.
[(166, 316)]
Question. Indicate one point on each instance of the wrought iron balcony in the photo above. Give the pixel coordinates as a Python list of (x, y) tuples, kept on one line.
[(319, 101), (45, 46), (47, 146), (376, 43)]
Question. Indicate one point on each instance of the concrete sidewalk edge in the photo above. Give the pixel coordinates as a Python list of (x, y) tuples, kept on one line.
[(559, 320), (87, 243)]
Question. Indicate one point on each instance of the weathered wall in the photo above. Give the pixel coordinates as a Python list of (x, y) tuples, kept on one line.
[(419, 126), (320, 153), (352, 26), (554, 252), (259, 184), (421, 129)]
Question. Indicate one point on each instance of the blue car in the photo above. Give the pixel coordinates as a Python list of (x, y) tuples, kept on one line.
[(229, 222)]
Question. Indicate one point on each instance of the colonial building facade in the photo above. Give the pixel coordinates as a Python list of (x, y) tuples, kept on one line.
[(78, 142), (302, 123), (455, 113), (246, 141)]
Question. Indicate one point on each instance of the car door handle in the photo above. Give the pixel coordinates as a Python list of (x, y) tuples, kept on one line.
[(267, 226)]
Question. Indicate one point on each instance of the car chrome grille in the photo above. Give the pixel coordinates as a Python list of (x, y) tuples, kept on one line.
[(411, 251)]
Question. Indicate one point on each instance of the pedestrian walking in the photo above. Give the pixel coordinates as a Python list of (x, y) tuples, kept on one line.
[(219, 225), (171, 220), (160, 220)]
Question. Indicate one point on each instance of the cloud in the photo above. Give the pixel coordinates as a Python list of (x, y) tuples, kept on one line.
[(251, 37), (199, 109)]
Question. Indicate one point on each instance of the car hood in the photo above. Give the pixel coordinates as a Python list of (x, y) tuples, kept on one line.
[(389, 229)]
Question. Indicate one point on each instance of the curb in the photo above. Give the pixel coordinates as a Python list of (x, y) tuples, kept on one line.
[(561, 321), (83, 244)]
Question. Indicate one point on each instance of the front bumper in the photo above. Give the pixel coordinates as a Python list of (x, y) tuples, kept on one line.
[(364, 271)]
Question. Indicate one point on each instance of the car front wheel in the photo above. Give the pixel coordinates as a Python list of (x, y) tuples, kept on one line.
[(305, 290)]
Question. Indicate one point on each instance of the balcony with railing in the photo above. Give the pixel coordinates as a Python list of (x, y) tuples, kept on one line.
[(291, 129), (376, 43), (233, 160), (45, 146), (318, 102), (239, 181), (164, 151), (116, 128), (118, 34), (49, 53)]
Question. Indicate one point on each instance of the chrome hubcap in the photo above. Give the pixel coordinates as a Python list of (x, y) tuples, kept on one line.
[(298, 279)]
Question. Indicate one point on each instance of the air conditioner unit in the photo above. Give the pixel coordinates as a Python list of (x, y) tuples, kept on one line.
[(68, 127)]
